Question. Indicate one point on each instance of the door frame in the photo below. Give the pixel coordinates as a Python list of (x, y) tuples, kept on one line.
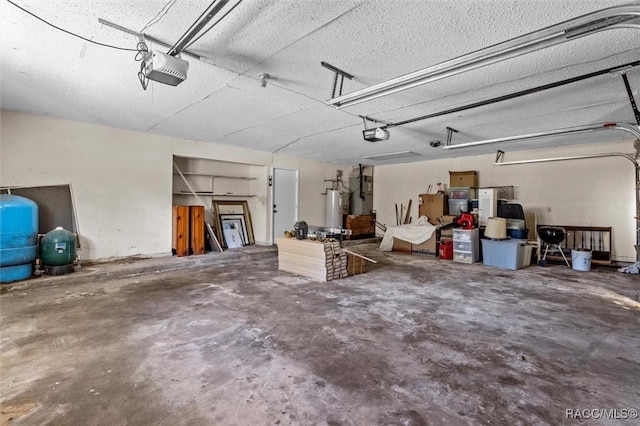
[(272, 193)]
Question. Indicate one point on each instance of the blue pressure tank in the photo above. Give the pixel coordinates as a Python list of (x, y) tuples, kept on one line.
[(18, 237)]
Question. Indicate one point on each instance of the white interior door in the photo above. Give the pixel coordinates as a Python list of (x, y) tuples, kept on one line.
[(285, 201)]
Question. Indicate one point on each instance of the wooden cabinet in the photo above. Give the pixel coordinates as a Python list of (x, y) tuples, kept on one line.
[(187, 230)]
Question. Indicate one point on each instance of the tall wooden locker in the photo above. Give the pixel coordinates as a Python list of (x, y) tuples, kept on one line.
[(180, 230), (196, 229), (187, 234)]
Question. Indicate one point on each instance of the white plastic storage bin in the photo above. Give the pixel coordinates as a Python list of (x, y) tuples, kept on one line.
[(526, 255), (462, 193), (457, 206)]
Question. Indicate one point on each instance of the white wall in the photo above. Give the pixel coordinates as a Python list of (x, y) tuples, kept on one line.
[(594, 192), (122, 180)]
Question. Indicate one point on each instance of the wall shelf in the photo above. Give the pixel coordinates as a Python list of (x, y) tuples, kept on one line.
[(213, 194), (215, 176), (210, 178)]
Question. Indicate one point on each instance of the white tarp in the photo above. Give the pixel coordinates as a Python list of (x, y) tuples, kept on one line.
[(416, 233)]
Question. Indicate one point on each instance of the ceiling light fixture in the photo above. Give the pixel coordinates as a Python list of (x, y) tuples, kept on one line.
[(625, 16)]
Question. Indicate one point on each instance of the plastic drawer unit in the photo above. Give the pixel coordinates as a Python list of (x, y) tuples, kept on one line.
[(466, 245)]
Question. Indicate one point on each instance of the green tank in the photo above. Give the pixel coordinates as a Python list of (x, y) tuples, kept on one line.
[(58, 247)]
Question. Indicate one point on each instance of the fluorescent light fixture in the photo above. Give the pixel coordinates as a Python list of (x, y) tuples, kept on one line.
[(634, 130), (625, 16), (392, 155)]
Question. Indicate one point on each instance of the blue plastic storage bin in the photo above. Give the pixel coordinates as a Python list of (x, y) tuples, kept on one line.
[(505, 254), (520, 234)]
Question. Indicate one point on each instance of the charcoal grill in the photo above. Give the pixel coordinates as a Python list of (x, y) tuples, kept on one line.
[(552, 237)]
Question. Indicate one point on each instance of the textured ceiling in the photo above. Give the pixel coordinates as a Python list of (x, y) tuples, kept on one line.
[(48, 72)]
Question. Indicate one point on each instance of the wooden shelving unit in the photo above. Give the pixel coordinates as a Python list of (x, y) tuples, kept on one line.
[(205, 182), (211, 191)]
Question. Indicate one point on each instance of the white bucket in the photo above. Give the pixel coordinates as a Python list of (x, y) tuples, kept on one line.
[(581, 259)]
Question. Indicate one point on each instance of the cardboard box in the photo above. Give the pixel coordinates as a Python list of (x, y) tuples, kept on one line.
[(428, 247), (361, 226), (355, 265), (447, 233), (401, 246), (468, 179), (531, 223), (433, 206)]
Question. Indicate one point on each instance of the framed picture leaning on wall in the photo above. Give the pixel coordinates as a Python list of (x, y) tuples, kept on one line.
[(237, 210)]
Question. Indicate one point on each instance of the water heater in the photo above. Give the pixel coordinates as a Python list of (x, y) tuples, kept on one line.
[(334, 209)]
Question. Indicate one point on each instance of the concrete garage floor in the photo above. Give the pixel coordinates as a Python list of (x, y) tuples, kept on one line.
[(227, 339)]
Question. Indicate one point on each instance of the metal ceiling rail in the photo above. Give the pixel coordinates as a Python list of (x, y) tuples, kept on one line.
[(611, 70), (195, 28), (629, 128), (629, 157), (624, 16), (143, 36)]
